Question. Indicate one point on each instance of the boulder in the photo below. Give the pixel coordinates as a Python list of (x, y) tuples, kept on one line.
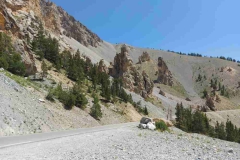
[(142, 126), (162, 93), (145, 120), (151, 126)]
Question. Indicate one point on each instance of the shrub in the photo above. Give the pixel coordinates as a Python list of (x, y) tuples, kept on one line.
[(96, 109), (70, 101), (161, 126), (145, 111), (50, 96), (9, 59)]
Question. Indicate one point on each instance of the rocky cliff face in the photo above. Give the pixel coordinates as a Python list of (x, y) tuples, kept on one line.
[(133, 80), (164, 75), (22, 18)]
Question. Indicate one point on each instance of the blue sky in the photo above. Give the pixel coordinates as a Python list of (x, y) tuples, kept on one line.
[(209, 27)]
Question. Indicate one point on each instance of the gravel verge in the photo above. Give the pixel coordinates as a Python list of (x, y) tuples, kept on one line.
[(127, 143)]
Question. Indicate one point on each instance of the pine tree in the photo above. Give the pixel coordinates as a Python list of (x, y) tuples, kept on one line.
[(44, 69), (221, 134), (229, 131), (96, 109), (179, 116), (198, 123), (219, 86), (223, 90), (205, 93), (145, 111)]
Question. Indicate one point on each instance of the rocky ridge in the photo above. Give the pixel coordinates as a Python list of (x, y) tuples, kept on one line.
[(164, 74), (133, 80)]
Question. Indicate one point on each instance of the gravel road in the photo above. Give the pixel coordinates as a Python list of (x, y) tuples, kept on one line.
[(126, 143)]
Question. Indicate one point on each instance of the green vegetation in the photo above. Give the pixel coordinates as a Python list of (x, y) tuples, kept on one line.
[(44, 69), (177, 89), (189, 54), (79, 69), (96, 108), (22, 81), (145, 111), (161, 126), (9, 59), (197, 122), (46, 47), (73, 97), (199, 79), (139, 108), (217, 85), (205, 93)]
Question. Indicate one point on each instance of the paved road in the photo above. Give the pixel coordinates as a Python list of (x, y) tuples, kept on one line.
[(18, 140)]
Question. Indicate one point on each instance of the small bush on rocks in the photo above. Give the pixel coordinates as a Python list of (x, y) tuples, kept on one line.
[(161, 126)]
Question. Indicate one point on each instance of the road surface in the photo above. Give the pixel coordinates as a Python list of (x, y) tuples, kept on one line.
[(18, 140)]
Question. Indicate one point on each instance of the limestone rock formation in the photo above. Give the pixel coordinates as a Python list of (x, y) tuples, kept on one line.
[(203, 108), (22, 25), (133, 80), (22, 19), (164, 75), (102, 67), (144, 57), (210, 103)]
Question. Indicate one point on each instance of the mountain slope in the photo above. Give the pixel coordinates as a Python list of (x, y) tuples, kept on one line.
[(22, 20)]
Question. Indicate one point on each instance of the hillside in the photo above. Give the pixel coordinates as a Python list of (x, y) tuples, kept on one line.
[(176, 76)]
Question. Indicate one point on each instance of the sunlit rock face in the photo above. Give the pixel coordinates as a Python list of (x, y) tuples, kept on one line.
[(133, 80)]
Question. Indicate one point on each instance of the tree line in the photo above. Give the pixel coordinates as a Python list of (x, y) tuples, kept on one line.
[(198, 122), (200, 55)]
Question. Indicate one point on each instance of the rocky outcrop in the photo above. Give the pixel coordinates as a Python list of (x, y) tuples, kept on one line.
[(144, 58), (58, 21), (133, 80), (203, 108), (162, 93), (76, 30), (164, 75), (210, 103), (22, 19), (102, 67), (22, 26)]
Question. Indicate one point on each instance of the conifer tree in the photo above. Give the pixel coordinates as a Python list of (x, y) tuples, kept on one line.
[(96, 109), (145, 111), (229, 131), (44, 69)]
